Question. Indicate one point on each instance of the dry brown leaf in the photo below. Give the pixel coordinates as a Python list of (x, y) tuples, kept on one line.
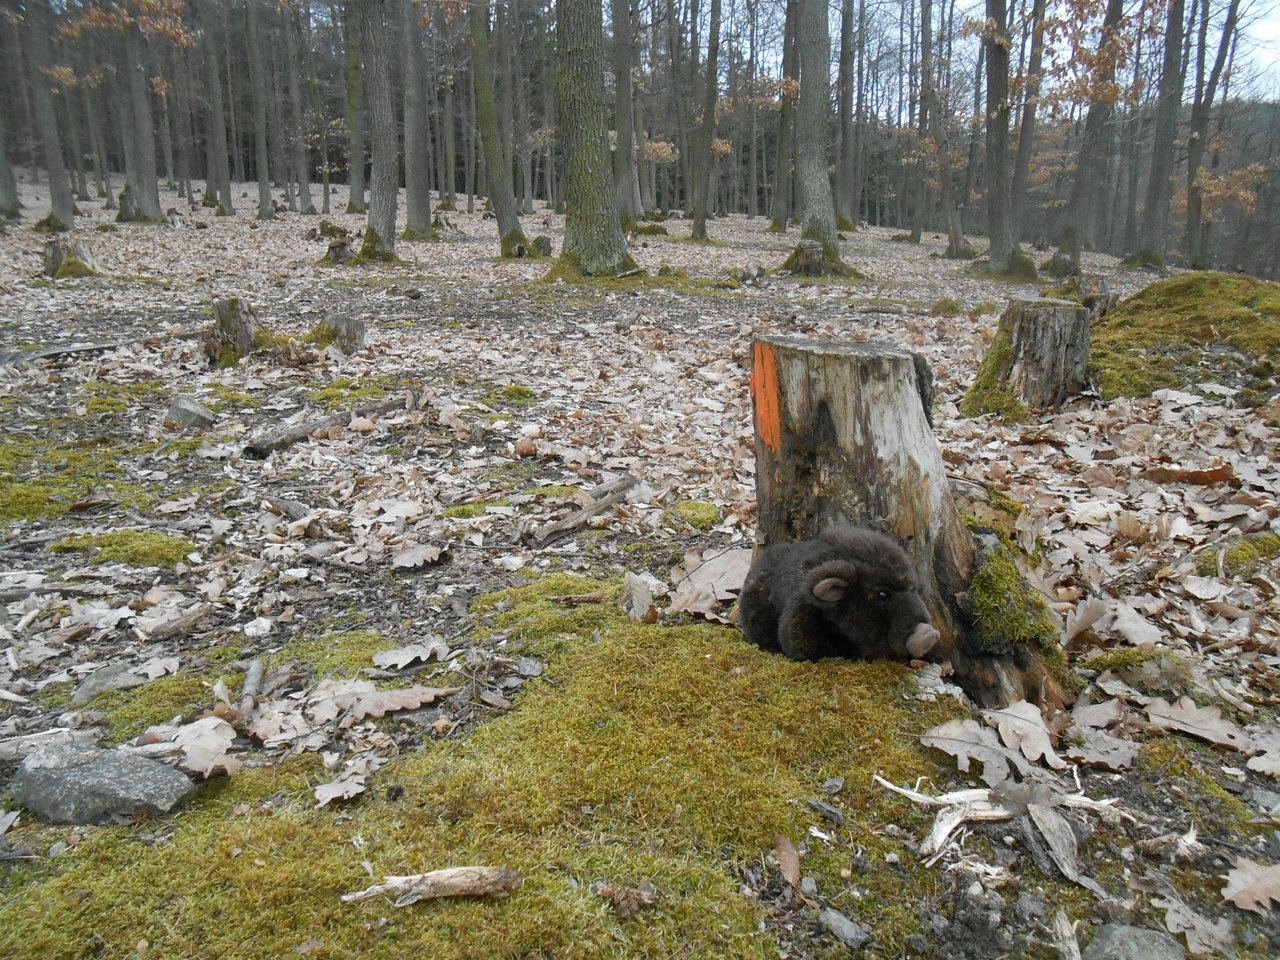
[(1061, 841), (204, 746), (1099, 749), (967, 740), (1221, 474), (1022, 728), (353, 700), (1266, 745), (1207, 723), (637, 599), (416, 555), (784, 851), (1252, 886), (1204, 936), (450, 882), (401, 657), (627, 901)]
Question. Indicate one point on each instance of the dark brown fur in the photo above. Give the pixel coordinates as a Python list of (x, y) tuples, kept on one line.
[(850, 593)]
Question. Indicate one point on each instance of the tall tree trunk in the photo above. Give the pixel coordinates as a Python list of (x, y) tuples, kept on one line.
[(40, 59), (355, 106), (417, 161), (624, 153), (237, 144), (957, 246), (814, 48), (967, 216), (704, 161), (258, 80), (219, 174), (846, 199), (448, 194), (1084, 188), (1199, 134), (593, 238), (301, 173), (146, 185), (753, 158), (1155, 213), (1027, 131), (780, 211), (512, 239), (8, 185), (996, 43), (384, 186)]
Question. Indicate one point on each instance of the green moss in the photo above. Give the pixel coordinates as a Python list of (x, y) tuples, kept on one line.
[(1170, 334), (229, 398), (989, 393), (946, 307), (646, 754), (983, 308), (697, 513), (131, 712), (1021, 266), (463, 511), (1210, 806), (343, 390), (1239, 557), (138, 548), (511, 396), (514, 244), (650, 230), (100, 406), (1007, 611), (74, 267), (50, 224), (344, 653), (667, 278), (374, 250), (327, 228), (418, 236)]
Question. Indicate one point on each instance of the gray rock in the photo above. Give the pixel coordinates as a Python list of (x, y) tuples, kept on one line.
[(1027, 907), (82, 785), (809, 886), (116, 677), (189, 414), (849, 932), (1118, 941)]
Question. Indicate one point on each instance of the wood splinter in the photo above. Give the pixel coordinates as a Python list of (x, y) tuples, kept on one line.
[(449, 882)]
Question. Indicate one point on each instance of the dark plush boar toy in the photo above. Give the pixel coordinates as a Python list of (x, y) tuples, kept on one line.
[(850, 593)]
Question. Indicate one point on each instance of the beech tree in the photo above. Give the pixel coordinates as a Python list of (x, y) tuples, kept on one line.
[(996, 44), (593, 240), (511, 238), (40, 60), (384, 188)]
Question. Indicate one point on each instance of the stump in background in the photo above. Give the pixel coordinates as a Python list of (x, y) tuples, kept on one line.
[(68, 257), (235, 329), (339, 251), (842, 437), (807, 260), (1038, 359), (342, 330)]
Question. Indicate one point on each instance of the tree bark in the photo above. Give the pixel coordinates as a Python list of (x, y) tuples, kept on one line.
[(355, 107), (1027, 131), (780, 211), (258, 80), (146, 185), (957, 246), (593, 238), (301, 172), (417, 161), (8, 185), (384, 189), (996, 44), (1155, 213), (842, 436), (1039, 357), (39, 59), (704, 161), (512, 240), (814, 47)]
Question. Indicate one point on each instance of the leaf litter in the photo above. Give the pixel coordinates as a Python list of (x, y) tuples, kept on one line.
[(630, 401)]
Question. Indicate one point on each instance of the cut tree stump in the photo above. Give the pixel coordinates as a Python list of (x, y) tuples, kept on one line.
[(1039, 357), (235, 327), (342, 330), (842, 437), (339, 252), (807, 260), (68, 257)]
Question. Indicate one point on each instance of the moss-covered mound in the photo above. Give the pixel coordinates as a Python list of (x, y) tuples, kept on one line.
[(655, 755), (1190, 328)]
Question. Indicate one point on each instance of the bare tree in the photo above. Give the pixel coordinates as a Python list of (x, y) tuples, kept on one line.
[(384, 188)]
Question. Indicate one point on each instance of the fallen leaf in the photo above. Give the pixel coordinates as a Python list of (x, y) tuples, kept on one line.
[(1204, 936), (416, 555), (1207, 723), (967, 740), (1022, 728), (1204, 478), (1252, 886), (784, 851), (204, 746), (401, 657), (637, 599), (1061, 841)]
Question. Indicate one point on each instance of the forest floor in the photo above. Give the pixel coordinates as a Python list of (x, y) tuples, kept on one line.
[(662, 788)]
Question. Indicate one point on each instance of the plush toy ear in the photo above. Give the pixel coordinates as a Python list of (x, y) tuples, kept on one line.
[(830, 590)]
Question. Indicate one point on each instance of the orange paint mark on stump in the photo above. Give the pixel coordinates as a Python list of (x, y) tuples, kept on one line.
[(765, 396)]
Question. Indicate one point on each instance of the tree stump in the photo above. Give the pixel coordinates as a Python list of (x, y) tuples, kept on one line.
[(235, 328), (807, 259), (842, 436), (540, 246), (68, 257), (1039, 358), (342, 330), (129, 212), (1094, 292), (339, 252)]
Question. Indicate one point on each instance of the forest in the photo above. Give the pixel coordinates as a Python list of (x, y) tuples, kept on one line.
[(676, 478), (1143, 129)]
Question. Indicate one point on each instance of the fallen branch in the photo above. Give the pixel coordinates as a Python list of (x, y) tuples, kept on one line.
[(249, 692), (262, 448), (450, 882), (67, 349), (607, 496)]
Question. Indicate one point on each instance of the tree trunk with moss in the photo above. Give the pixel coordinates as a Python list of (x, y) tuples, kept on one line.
[(218, 182), (996, 44), (417, 159), (258, 78), (843, 436), (384, 187), (352, 16), (704, 159), (816, 199), (511, 238), (593, 238), (780, 210), (1039, 358)]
